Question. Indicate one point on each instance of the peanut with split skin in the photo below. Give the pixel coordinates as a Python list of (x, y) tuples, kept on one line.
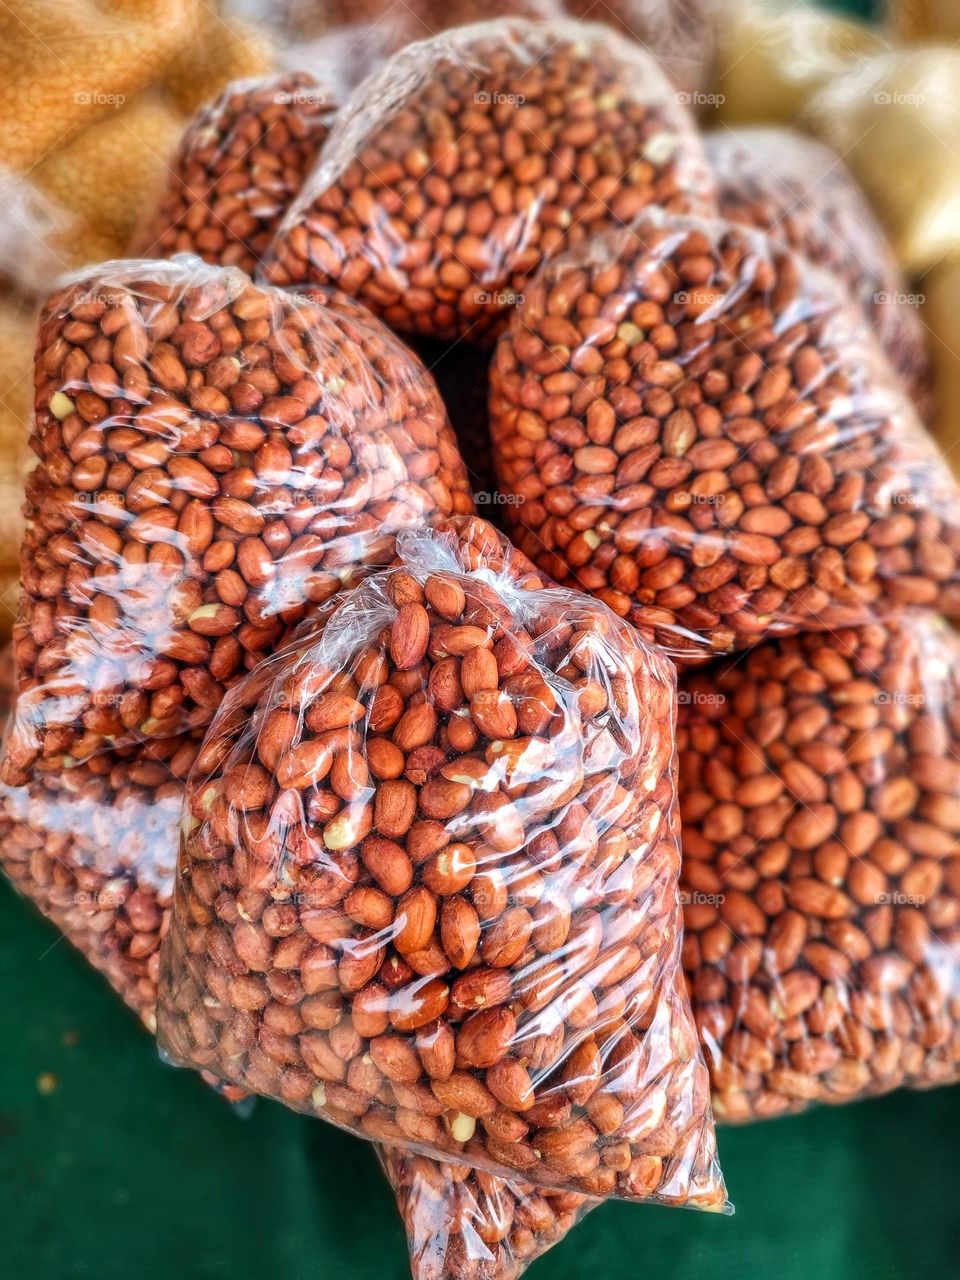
[(821, 866), (474, 156), (474, 849), (240, 163), (215, 457), (694, 425)]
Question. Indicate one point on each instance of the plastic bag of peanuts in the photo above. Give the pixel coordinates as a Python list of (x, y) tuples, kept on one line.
[(467, 159), (465, 1222), (94, 846), (821, 865), (698, 426), (214, 457), (801, 192), (240, 163), (429, 886)]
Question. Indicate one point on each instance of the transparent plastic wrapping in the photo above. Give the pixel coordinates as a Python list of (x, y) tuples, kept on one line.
[(400, 25), (821, 865), (801, 192), (240, 163), (94, 846), (214, 458), (696, 425), (342, 56), (681, 34), (463, 1222), (466, 160), (429, 886)]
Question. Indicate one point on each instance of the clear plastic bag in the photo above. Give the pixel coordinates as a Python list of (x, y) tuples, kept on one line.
[(682, 34), (239, 165), (399, 25), (94, 846), (429, 890), (464, 1222), (801, 192), (461, 164), (214, 457), (821, 865), (698, 426)]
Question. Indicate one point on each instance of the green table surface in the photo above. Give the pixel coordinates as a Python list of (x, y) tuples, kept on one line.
[(116, 1167), (121, 1168)]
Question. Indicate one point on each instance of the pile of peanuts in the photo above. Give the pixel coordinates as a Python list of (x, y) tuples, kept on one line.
[(431, 888), (801, 192), (95, 847), (472, 157), (694, 426), (214, 457), (465, 1222), (820, 802), (239, 165)]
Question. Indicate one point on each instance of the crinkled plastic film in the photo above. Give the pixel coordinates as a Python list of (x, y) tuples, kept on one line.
[(681, 34), (241, 161), (94, 846), (697, 426), (466, 1222), (821, 866), (801, 192), (214, 458), (467, 159), (429, 887)]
